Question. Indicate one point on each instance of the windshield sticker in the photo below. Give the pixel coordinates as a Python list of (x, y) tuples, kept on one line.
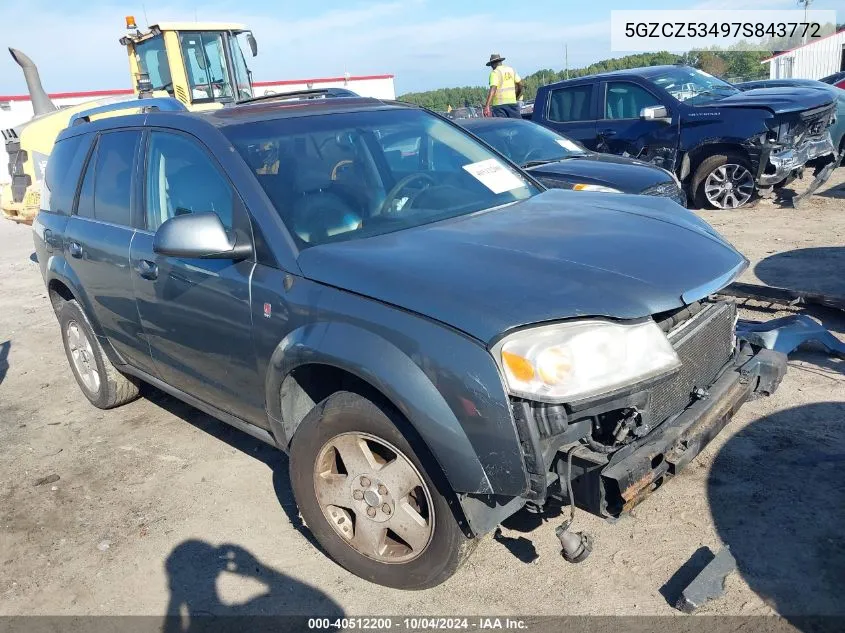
[(495, 176), (565, 143)]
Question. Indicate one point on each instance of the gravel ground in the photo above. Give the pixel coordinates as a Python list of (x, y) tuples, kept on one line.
[(159, 508)]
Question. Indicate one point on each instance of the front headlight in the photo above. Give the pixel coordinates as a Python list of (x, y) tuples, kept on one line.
[(585, 187), (572, 361)]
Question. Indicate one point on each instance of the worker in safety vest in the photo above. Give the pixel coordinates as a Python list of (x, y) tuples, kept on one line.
[(505, 89)]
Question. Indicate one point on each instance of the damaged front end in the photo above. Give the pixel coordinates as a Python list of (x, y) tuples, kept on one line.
[(630, 443), (792, 142)]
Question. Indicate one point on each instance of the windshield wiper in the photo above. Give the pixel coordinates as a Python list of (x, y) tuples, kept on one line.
[(546, 161)]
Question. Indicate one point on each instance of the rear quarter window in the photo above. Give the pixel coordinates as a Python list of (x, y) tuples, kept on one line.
[(63, 170)]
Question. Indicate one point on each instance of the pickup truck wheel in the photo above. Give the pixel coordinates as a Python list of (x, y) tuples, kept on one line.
[(101, 383), (365, 495), (723, 181)]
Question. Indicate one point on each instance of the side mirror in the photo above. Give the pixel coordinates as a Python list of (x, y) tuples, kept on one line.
[(655, 113), (253, 45), (200, 235)]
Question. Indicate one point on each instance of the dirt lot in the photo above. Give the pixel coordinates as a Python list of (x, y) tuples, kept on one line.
[(161, 509)]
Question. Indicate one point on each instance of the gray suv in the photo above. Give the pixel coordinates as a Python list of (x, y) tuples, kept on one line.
[(435, 339)]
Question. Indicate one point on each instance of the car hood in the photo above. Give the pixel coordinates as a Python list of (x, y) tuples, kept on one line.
[(626, 174), (778, 100), (558, 255)]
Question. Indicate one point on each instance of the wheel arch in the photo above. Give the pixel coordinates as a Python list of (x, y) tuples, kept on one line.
[(308, 365), (63, 286), (698, 154)]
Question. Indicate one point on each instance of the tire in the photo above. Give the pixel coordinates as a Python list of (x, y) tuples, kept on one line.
[(343, 419), (733, 164), (111, 388)]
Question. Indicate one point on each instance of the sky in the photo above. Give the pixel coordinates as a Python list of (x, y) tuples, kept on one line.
[(426, 44)]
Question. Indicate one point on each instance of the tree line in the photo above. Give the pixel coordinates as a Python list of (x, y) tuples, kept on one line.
[(734, 63)]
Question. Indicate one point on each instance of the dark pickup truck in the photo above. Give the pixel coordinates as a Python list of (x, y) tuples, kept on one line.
[(723, 144)]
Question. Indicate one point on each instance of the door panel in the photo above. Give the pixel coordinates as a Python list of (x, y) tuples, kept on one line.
[(98, 238), (196, 318), (101, 263), (196, 312), (620, 130)]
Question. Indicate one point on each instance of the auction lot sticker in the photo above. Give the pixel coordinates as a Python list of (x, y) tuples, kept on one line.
[(495, 176)]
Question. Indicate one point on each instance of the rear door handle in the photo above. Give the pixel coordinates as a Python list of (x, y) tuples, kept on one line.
[(75, 250), (147, 269)]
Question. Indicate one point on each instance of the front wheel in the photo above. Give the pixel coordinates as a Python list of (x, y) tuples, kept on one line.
[(723, 181), (367, 498)]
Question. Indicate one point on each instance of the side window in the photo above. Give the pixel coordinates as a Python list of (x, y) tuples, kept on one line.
[(62, 176), (181, 178), (402, 153), (624, 100), (106, 191), (571, 104)]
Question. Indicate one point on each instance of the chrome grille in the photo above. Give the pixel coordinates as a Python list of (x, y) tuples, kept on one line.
[(704, 344)]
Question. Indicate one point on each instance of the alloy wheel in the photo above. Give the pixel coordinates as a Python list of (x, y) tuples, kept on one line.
[(729, 186), (374, 497), (82, 356)]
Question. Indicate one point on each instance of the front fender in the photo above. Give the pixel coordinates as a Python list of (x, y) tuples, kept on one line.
[(468, 431)]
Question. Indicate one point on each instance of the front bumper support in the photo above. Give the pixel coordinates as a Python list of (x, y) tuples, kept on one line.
[(636, 471), (782, 162)]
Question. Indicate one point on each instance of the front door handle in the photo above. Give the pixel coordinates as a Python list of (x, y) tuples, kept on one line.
[(147, 269), (75, 250), (608, 132)]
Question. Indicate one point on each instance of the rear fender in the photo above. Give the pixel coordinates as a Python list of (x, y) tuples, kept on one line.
[(57, 269)]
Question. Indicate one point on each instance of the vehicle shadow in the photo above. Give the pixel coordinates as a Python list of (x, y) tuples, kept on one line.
[(195, 569), (816, 269), (837, 192), (4, 358), (274, 458), (777, 495)]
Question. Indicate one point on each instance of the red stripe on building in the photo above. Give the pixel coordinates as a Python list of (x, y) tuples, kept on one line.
[(259, 84)]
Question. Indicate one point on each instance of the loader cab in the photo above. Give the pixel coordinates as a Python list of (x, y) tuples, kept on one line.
[(200, 64)]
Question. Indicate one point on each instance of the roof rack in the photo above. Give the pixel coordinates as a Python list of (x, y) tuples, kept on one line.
[(313, 93), (164, 104)]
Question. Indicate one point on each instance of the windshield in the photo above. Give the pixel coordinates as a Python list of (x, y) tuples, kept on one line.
[(693, 86), (205, 63), (358, 174), (527, 143), (152, 60)]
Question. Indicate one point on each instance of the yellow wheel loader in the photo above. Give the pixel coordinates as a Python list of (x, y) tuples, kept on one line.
[(201, 64)]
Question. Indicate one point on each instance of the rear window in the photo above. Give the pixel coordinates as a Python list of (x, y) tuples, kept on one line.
[(571, 104), (62, 176)]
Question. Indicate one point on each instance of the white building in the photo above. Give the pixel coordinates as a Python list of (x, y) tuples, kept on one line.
[(815, 60), (16, 109)]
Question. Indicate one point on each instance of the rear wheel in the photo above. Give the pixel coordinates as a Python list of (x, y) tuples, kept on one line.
[(103, 385), (366, 496), (723, 181)]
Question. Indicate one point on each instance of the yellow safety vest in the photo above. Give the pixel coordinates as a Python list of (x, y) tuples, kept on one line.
[(505, 79)]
